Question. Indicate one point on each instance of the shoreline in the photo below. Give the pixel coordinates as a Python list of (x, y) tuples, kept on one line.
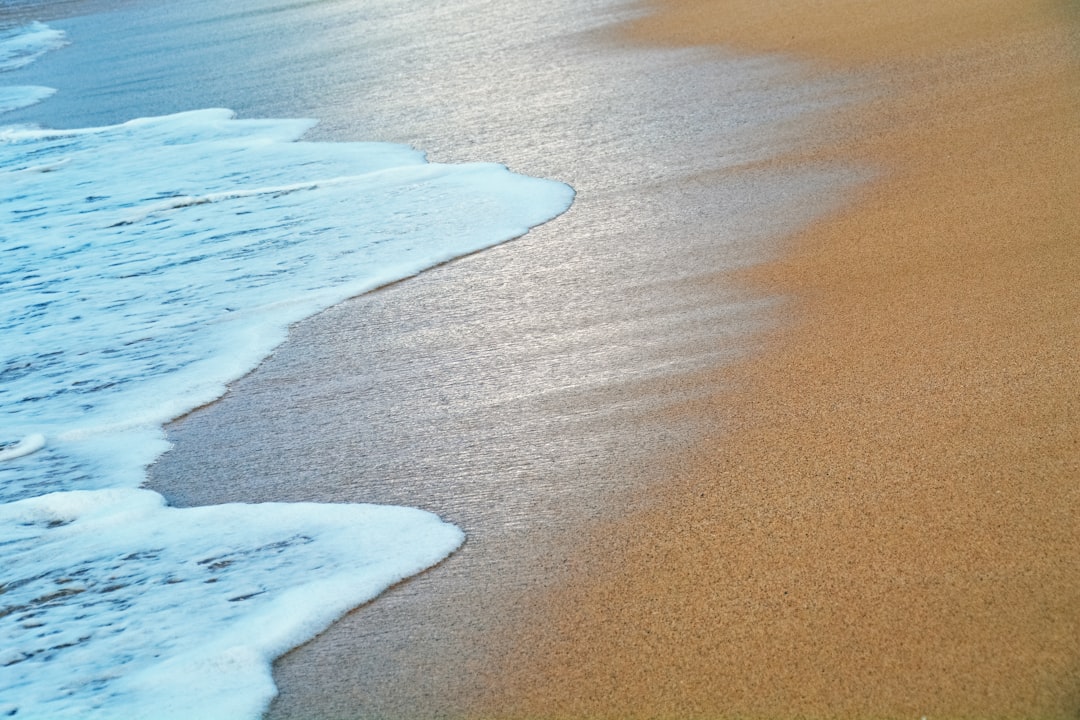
[(523, 393), (740, 434), (883, 524)]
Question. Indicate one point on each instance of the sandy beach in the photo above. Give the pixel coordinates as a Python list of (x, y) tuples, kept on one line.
[(830, 472), (885, 523), (527, 392)]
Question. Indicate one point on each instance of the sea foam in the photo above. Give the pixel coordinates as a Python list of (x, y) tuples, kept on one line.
[(148, 264), (143, 266), (22, 45), (117, 606), (20, 96)]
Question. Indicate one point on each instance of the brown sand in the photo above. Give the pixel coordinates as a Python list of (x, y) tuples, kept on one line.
[(892, 528)]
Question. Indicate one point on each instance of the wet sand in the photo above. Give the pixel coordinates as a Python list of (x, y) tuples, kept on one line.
[(524, 393), (885, 521)]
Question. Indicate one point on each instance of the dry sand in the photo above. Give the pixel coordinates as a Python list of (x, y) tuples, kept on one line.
[(892, 527)]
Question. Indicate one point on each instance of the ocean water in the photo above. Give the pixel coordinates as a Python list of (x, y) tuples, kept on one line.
[(144, 265)]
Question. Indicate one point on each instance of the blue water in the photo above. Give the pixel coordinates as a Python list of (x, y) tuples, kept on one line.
[(144, 265)]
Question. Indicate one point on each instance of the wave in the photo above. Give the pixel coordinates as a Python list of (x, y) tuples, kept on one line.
[(143, 267)]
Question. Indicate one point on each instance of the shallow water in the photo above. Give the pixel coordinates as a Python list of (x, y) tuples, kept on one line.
[(145, 265), (519, 392)]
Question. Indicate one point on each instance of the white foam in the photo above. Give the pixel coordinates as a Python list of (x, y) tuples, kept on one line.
[(150, 263), (26, 446), (20, 46), (20, 96), (143, 267), (115, 605)]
